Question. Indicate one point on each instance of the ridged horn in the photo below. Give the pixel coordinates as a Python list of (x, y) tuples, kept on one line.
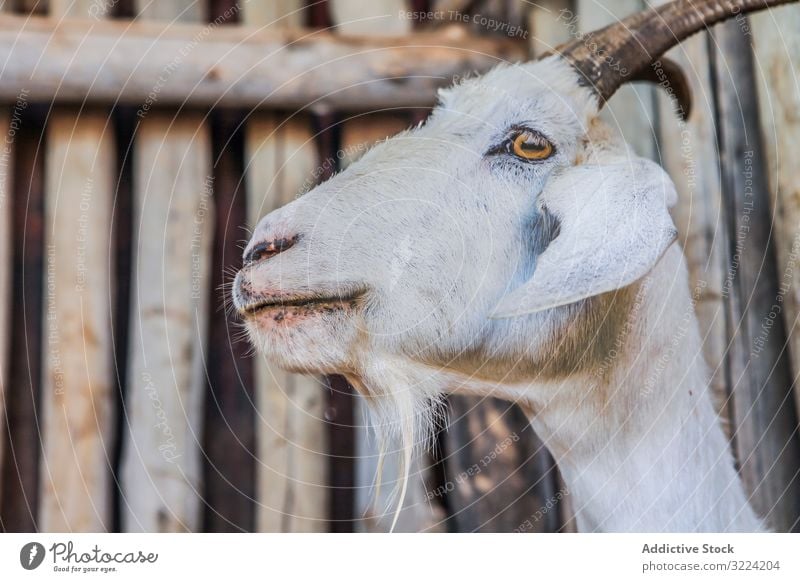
[(622, 51)]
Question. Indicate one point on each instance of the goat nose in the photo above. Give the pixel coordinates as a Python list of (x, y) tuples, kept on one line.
[(268, 249)]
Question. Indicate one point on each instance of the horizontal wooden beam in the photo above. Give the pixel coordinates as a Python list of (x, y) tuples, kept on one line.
[(154, 64)]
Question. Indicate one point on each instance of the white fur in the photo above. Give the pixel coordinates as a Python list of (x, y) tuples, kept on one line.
[(437, 239)]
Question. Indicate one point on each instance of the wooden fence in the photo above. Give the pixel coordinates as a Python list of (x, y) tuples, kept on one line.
[(142, 137)]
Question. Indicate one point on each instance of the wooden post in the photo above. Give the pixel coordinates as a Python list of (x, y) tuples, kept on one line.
[(777, 50), (546, 26), (173, 226), (75, 485), (77, 379), (229, 435), (688, 153), (757, 362), (378, 17), (631, 110), (281, 162), (291, 443), (499, 474), (20, 471), (30, 6)]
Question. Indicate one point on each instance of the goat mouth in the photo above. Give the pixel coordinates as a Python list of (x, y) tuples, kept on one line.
[(297, 305)]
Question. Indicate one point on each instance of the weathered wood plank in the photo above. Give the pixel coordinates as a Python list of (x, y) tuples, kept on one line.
[(278, 14), (173, 11), (378, 17), (72, 8), (631, 110), (123, 244), (282, 161), (178, 64), (229, 439), (77, 380), (687, 150), (31, 6), (777, 50), (758, 367), (20, 475), (174, 220), (546, 25), (292, 444), (173, 227), (499, 476), (75, 485)]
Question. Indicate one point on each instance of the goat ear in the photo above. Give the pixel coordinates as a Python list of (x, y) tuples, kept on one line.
[(614, 227)]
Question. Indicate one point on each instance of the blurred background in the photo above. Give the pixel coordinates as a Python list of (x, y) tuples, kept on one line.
[(142, 138)]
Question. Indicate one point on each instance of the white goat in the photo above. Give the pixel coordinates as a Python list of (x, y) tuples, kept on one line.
[(543, 270)]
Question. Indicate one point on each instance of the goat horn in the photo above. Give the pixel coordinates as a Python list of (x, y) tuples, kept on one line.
[(622, 51), (669, 75)]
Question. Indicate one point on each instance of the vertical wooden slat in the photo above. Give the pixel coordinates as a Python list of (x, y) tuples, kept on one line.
[(688, 153), (229, 468), (758, 367), (173, 228), (20, 475), (229, 430), (380, 17), (546, 25), (631, 110), (500, 478), (77, 378), (292, 471), (122, 243), (172, 10), (31, 6), (279, 13), (282, 161), (777, 50)]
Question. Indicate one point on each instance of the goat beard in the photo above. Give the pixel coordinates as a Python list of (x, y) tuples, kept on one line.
[(404, 409)]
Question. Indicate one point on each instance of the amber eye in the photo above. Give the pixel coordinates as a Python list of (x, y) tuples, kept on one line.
[(531, 146)]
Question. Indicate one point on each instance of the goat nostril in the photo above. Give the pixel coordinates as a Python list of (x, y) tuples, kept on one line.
[(268, 249)]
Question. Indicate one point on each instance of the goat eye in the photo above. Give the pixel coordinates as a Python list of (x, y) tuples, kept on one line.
[(529, 145)]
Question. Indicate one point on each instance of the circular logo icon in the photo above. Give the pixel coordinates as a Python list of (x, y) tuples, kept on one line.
[(31, 555)]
